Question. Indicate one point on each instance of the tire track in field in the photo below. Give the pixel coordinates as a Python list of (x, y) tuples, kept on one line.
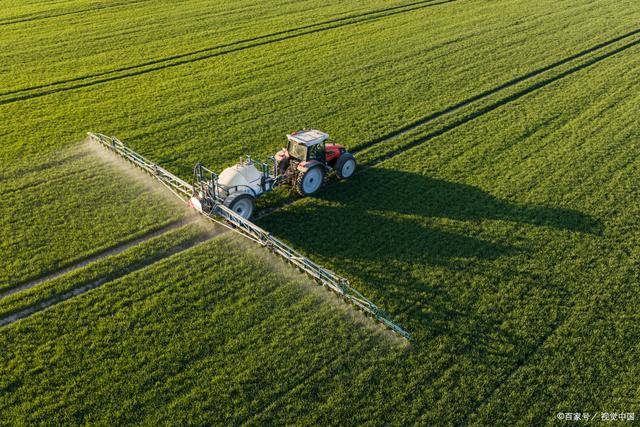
[(109, 252), (415, 5), (26, 312), (435, 47), (41, 16), (209, 52), (34, 185), (488, 93), (504, 101)]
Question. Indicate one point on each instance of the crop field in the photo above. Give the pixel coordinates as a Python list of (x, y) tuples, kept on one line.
[(494, 213)]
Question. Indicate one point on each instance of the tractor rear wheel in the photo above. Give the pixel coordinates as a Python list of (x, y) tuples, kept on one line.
[(345, 166), (241, 203), (310, 181)]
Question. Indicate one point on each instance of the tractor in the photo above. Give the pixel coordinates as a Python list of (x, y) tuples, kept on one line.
[(308, 157), (303, 164)]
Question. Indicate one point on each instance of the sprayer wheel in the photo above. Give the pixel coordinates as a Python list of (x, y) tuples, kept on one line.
[(241, 203)]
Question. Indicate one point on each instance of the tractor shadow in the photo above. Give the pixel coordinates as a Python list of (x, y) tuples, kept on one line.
[(384, 214), (406, 239), (413, 194)]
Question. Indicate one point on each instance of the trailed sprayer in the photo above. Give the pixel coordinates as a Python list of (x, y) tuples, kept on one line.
[(228, 198), (302, 164)]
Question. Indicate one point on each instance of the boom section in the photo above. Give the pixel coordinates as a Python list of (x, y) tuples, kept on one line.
[(205, 183)]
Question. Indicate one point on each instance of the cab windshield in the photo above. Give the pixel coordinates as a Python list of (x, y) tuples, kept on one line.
[(298, 151)]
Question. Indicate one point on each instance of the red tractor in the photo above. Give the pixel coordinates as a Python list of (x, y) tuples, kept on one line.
[(308, 157)]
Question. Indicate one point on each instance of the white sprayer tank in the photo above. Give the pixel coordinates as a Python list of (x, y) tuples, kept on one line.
[(241, 178)]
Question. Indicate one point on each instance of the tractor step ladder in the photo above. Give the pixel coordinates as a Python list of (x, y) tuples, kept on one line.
[(248, 229)]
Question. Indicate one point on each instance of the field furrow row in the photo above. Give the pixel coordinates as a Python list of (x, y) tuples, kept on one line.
[(57, 14), (125, 245), (17, 304), (208, 53)]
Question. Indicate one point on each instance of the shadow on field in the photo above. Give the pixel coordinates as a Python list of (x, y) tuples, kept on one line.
[(383, 230), (392, 211), (413, 194)]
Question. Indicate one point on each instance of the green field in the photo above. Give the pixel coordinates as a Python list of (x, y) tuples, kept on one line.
[(495, 214)]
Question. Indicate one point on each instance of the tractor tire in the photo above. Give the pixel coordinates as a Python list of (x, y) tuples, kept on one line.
[(310, 181), (241, 203), (345, 166)]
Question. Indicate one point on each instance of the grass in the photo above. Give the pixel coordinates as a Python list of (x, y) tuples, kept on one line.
[(496, 219), (63, 209), (196, 27), (242, 107), (186, 331), (106, 269)]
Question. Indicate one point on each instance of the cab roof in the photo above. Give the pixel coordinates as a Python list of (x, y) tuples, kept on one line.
[(308, 137)]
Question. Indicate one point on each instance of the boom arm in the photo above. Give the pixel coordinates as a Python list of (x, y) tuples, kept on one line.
[(184, 191)]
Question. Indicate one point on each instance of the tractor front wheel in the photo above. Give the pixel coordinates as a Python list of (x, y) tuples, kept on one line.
[(241, 203), (310, 181), (345, 166)]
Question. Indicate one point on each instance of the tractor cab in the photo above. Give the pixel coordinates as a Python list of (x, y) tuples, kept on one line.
[(307, 145)]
